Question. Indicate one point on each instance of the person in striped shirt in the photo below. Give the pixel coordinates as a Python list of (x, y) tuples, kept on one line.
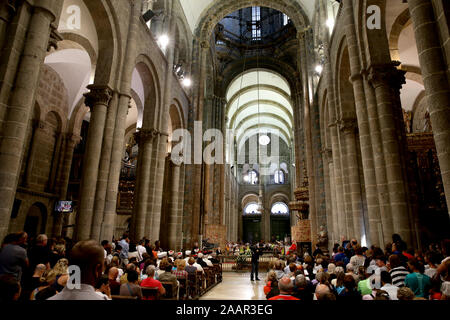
[(397, 271)]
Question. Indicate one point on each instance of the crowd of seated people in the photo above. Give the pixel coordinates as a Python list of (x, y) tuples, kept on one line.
[(358, 273), (38, 269)]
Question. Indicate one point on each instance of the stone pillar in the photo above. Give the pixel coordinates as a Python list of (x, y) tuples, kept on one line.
[(64, 175), (173, 214), (109, 216), (381, 227), (327, 159), (71, 142), (437, 84), (159, 184), (144, 138), (59, 138), (180, 223), (385, 79), (105, 161), (108, 212), (348, 127), (98, 100), (39, 130), (20, 106), (347, 215), (307, 125)]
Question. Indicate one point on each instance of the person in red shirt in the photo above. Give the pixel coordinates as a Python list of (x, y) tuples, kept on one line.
[(292, 249), (286, 289), (150, 282)]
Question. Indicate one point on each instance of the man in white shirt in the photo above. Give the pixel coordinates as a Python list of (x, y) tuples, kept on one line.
[(89, 257), (208, 263), (386, 282), (141, 250)]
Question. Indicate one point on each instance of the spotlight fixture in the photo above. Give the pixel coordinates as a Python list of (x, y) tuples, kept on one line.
[(149, 15)]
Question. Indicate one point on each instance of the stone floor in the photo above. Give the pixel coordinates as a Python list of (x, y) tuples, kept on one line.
[(237, 286)]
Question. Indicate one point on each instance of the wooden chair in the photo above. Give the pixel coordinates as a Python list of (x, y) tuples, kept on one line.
[(171, 291), (218, 272), (201, 282), (209, 277), (150, 293), (182, 290), (193, 288), (123, 298)]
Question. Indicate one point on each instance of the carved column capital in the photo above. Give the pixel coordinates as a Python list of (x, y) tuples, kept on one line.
[(73, 139), (348, 126), (145, 135), (98, 95), (55, 37), (40, 125), (328, 154), (386, 74), (204, 45)]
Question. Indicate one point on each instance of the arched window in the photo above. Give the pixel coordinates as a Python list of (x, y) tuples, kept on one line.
[(279, 177), (251, 209), (251, 177), (280, 208)]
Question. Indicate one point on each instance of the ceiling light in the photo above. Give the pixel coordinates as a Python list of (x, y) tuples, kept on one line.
[(264, 140), (319, 69), (163, 41), (187, 82)]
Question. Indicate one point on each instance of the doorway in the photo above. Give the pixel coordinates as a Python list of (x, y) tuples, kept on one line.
[(36, 220), (252, 229)]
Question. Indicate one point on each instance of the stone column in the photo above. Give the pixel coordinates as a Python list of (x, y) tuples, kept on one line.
[(348, 127), (180, 222), (56, 160), (105, 162), (381, 228), (117, 128), (144, 138), (7, 11), (334, 212), (98, 100), (109, 216), (173, 214), (71, 142), (307, 127), (20, 105), (64, 175), (386, 80), (39, 130), (437, 85)]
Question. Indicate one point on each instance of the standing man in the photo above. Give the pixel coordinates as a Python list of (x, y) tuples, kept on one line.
[(256, 253), (125, 244)]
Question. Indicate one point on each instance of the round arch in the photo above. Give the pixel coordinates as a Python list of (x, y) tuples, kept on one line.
[(218, 10), (152, 90)]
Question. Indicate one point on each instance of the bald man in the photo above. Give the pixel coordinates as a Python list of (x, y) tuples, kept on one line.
[(89, 257), (286, 286)]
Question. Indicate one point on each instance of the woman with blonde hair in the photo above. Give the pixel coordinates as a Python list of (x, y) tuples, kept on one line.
[(180, 273), (60, 273)]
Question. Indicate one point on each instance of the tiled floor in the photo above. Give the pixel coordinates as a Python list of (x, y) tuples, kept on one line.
[(237, 286)]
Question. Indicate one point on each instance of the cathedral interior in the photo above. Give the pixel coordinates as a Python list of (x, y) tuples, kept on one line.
[(350, 98)]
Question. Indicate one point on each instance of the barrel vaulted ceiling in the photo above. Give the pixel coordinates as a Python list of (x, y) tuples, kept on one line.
[(193, 9)]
